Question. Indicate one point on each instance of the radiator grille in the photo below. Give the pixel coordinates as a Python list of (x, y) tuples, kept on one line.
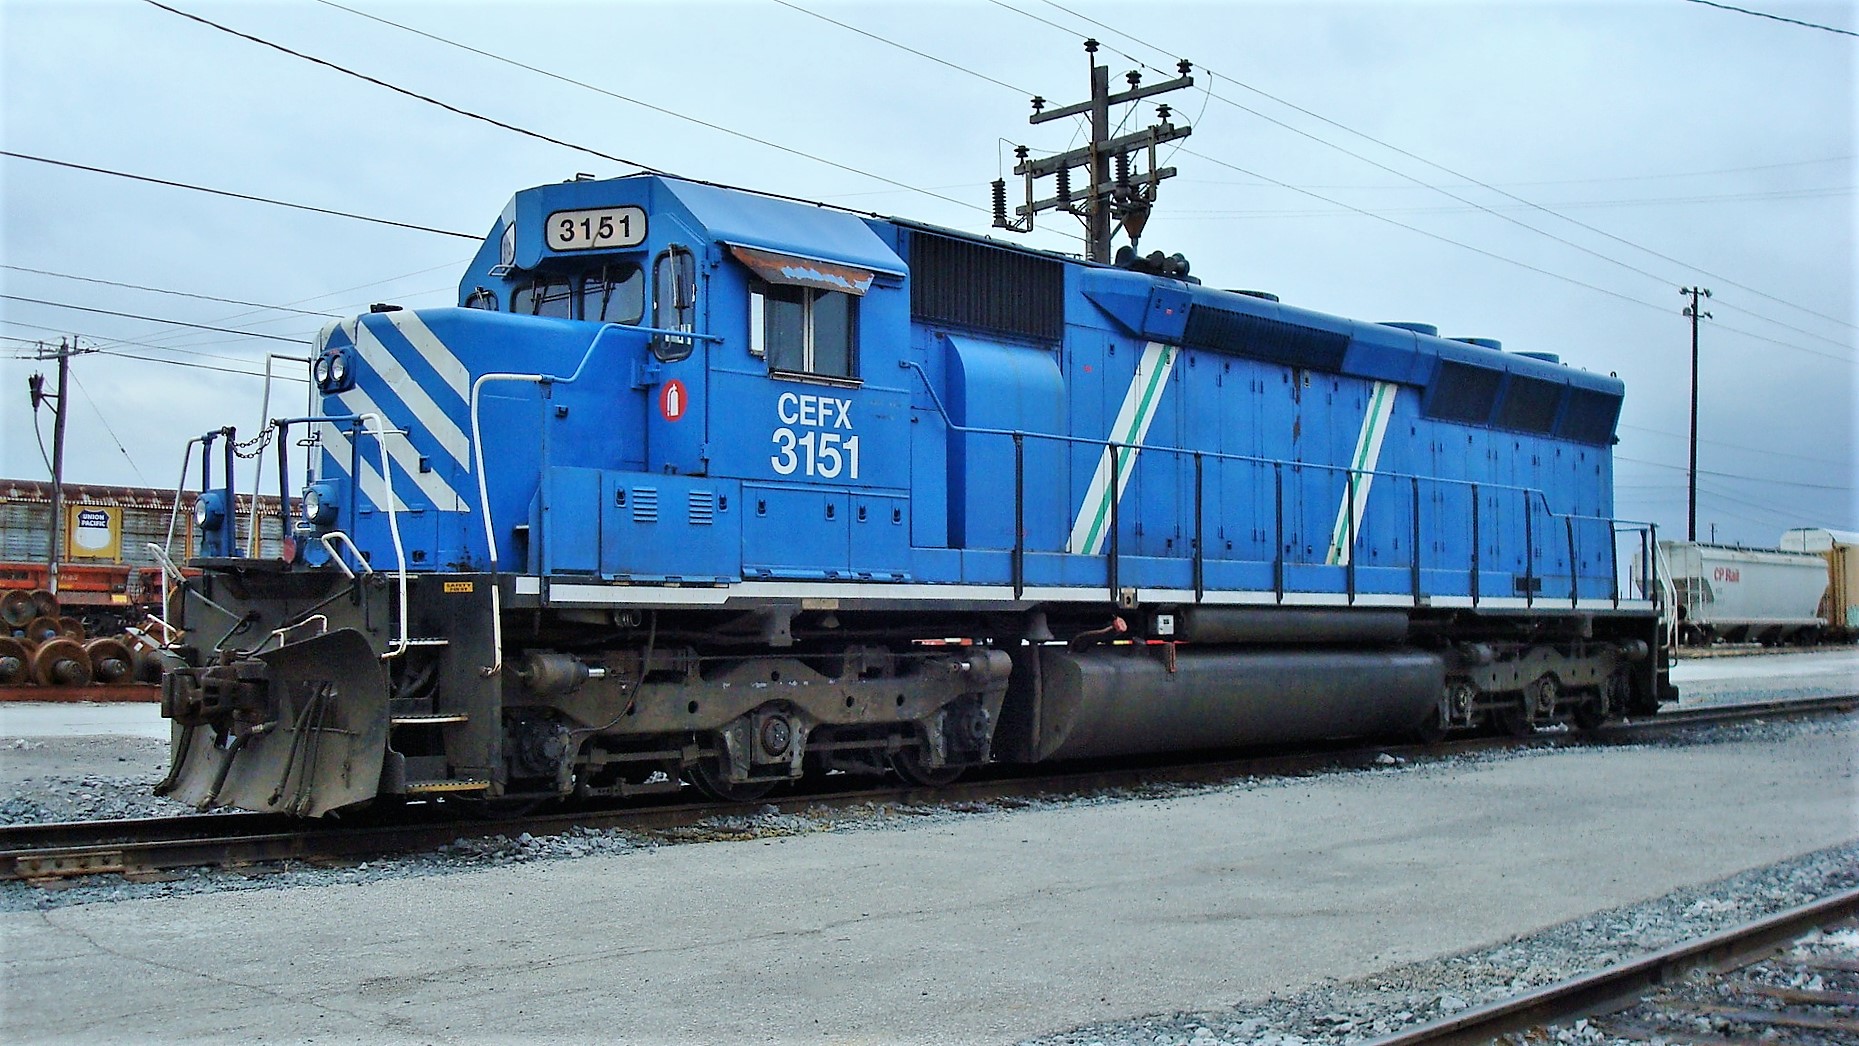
[(987, 287)]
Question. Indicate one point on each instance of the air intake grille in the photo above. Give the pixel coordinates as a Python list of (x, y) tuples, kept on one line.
[(703, 508), (1591, 416), (1464, 393), (990, 288), (1246, 335), (645, 504)]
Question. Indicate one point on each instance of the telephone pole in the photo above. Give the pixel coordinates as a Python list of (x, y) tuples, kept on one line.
[(1691, 474), (36, 386), (1117, 195)]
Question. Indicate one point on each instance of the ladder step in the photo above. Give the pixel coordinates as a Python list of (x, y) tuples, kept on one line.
[(429, 720), (429, 642), (434, 787)]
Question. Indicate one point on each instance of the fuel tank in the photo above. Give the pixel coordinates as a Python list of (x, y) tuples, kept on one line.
[(1130, 700)]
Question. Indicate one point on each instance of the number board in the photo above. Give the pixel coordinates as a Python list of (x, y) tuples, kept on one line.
[(596, 229)]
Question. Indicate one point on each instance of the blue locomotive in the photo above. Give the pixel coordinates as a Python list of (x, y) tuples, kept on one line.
[(702, 486)]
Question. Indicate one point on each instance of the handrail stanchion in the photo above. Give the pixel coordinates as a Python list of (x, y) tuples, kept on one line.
[(1529, 552), (1200, 533), (1278, 530), (1349, 533), (1574, 575), (1475, 544), (1414, 569), (1116, 490), (1613, 561), (1019, 514)]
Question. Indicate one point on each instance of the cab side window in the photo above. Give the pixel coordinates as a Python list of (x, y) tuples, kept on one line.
[(804, 330), (674, 302)]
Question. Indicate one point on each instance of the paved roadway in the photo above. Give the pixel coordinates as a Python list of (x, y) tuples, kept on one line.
[(981, 928)]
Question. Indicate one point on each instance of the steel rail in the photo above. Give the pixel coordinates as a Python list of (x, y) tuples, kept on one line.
[(147, 846), (1623, 985)]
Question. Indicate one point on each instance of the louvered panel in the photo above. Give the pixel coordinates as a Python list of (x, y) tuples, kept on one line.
[(702, 508), (645, 504)]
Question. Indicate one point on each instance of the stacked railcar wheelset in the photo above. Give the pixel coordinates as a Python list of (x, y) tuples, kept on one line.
[(703, 485)]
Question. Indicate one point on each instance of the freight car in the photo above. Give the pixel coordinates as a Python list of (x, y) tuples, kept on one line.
[(1733, 594), (107, 577), (1839, 608), (703, 485)]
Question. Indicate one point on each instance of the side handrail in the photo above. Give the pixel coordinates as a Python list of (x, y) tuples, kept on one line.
[(477, 466)]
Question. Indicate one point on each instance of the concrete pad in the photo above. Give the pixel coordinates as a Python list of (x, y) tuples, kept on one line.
[(1720, 680), (950, 929), (82, 719)]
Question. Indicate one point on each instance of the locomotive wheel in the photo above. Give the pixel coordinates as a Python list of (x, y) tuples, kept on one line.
[(17, 608), (71, 628), (44, 603), (909, 765), (708, 777), (1590, 715), (61, 662), (1430, 731), (15, 661), (1514, 720)]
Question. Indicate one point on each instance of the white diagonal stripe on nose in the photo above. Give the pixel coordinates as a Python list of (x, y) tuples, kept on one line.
[(428, 413)]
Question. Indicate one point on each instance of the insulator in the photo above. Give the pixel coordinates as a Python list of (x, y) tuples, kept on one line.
[(1123, 172), (1162, 113), (1090, 46), (1065, 186), (1184, 67), (1134, 76), (1000, 202)]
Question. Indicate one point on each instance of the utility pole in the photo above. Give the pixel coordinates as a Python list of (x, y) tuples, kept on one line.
[(36, 385), (1117, 196), (1691, 475)]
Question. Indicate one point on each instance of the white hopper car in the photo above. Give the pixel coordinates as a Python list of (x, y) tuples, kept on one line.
[(1745, 595)]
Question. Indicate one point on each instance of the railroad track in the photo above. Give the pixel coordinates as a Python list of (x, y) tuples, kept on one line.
[(1663, 998), (147, 848)]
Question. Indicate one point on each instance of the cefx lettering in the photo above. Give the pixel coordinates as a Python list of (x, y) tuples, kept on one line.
[(824, 412), (818, 450)]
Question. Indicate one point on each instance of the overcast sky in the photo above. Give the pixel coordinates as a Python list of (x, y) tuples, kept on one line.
[(1592, 159)]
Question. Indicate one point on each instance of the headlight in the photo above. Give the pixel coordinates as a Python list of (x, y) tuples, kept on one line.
[(321, 502), (209, 510), (339, 368), (321, 372)]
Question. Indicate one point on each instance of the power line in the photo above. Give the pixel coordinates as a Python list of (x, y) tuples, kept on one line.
[(1736, 446), (1414, 156), (468, 114), (236, 195), (1669, 175), (1734, 475), (1777, 18), (1373, 214), (686, 117), (163, 290), (152, 319), (114, 438)]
